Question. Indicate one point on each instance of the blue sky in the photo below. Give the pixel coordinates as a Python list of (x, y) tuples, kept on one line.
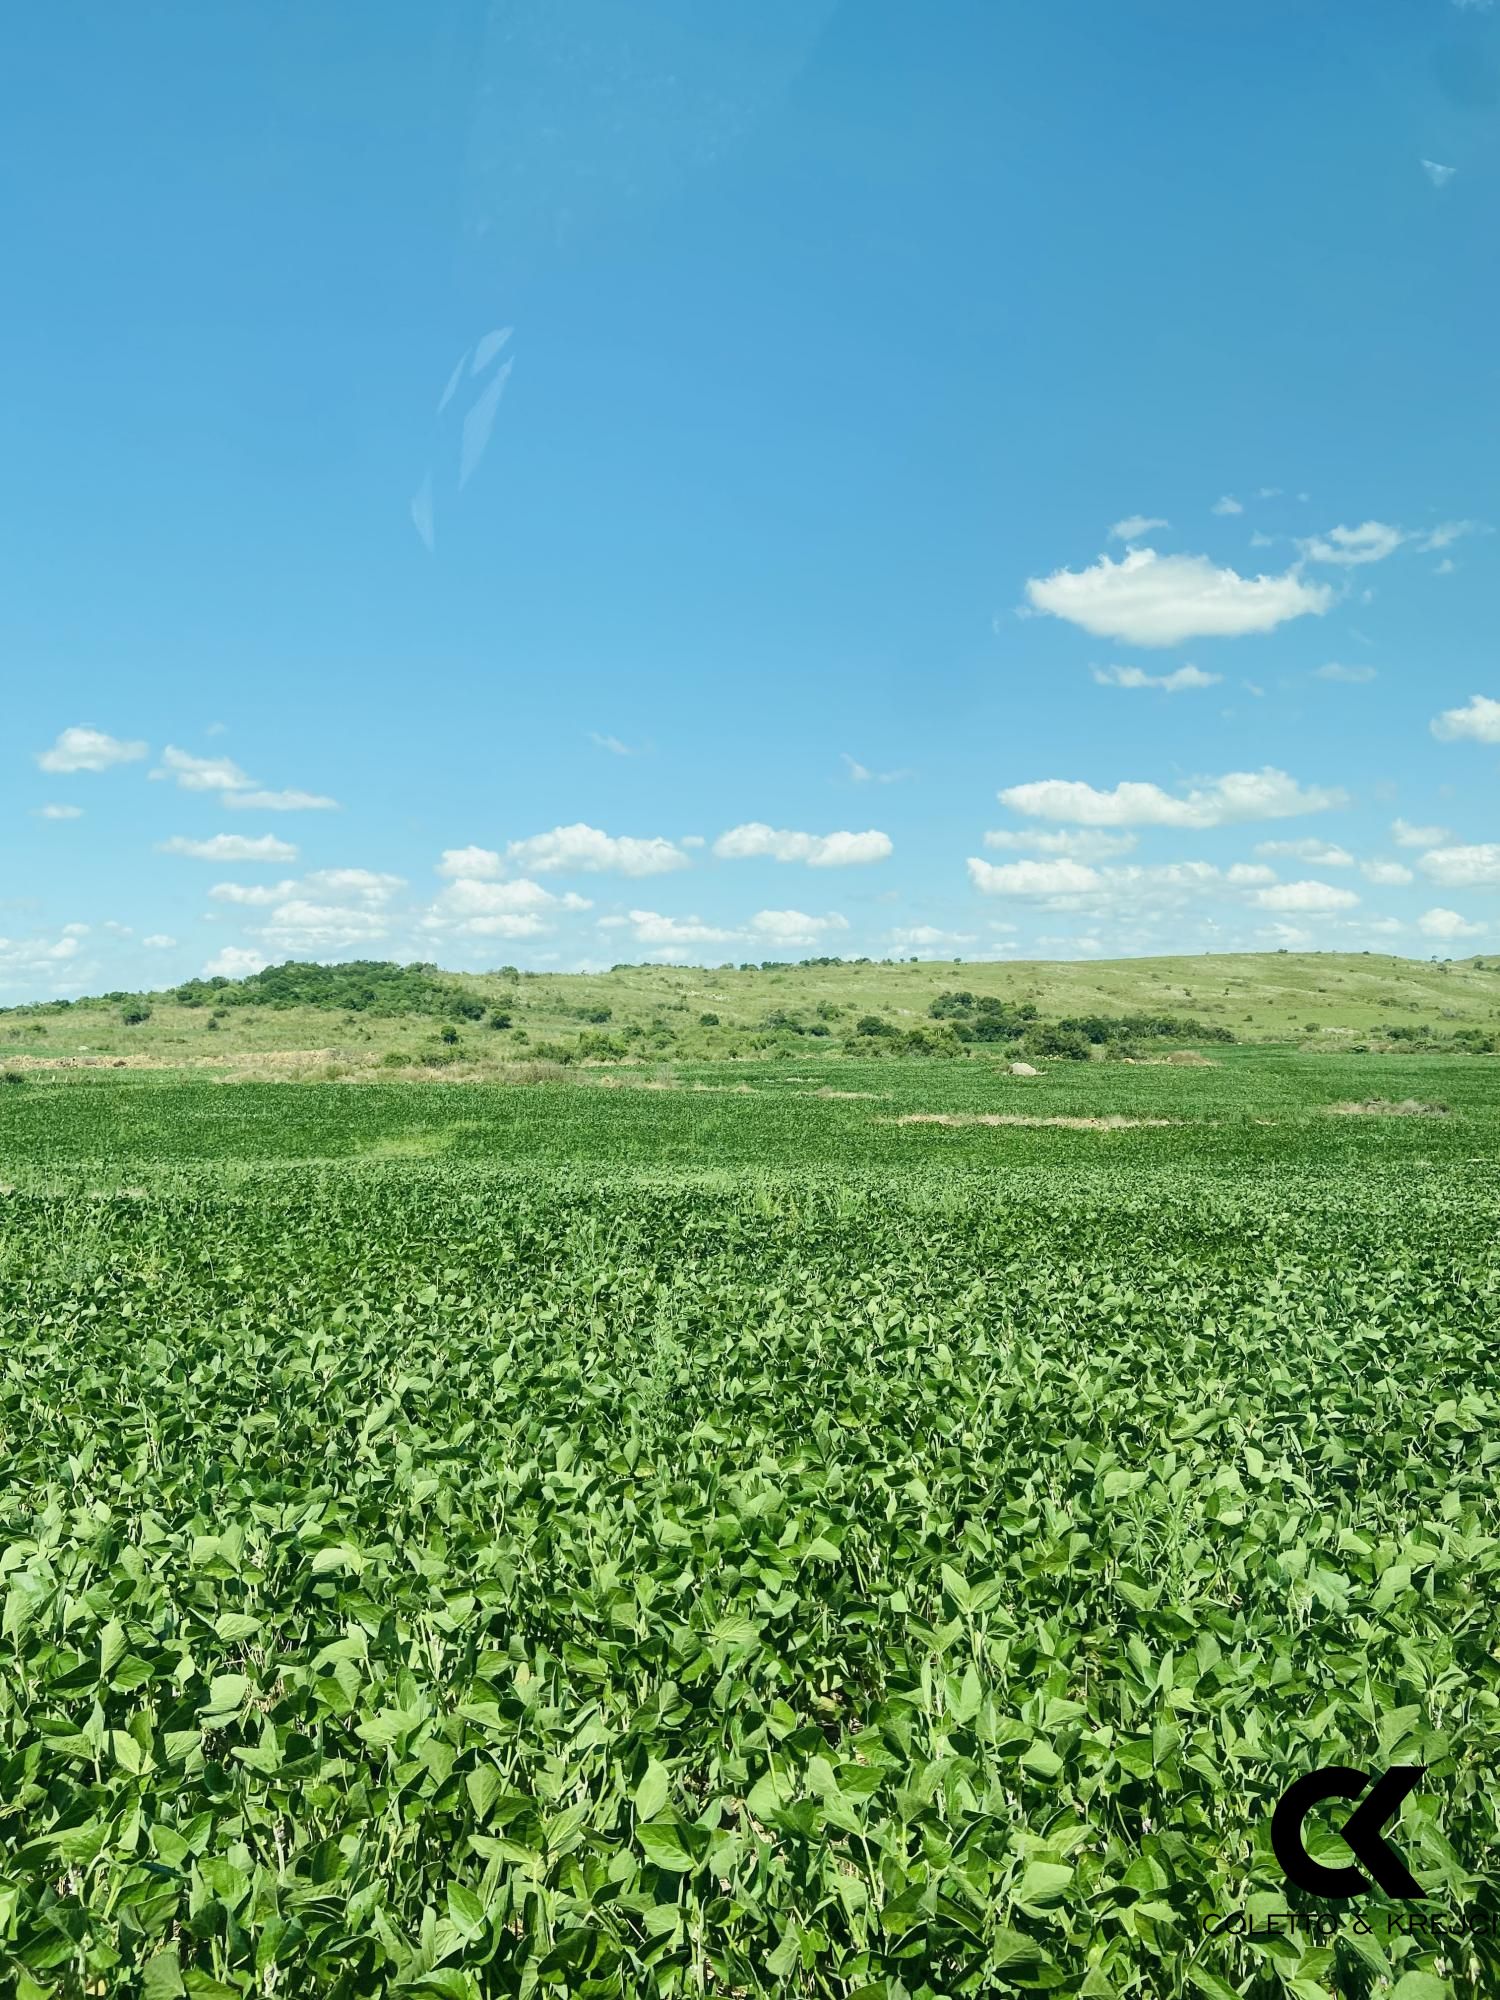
[(557, 483)]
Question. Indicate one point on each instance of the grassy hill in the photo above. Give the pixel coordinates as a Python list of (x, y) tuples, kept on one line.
[(371, 1014)]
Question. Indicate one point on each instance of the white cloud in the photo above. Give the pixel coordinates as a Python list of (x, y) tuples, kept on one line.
[(1227, 504), (1081, 843), (1306, 898), (787, 927), (1173, 683), (1445, 534), (300, 925), (1441, 923), (1034, 878), (927, 935), (1436, 172), (611, 743), (235, 961), (1135, 525), (1237, 796), (473, 864), (202, 774), (475, 898), (1406, 835), (280, 802), (34, 954), (159, 941), (1352, 676), (362, 885), (59, 812), (587, 849), (1248, 875), (861, 774), (253, 894), (819, 850), (651, 928), (88, 750), (479, 908), (1317, 853), (230, 847), (1386, 874), (1370, 542), (1478, 720), (1146, 599), (1464, 867)]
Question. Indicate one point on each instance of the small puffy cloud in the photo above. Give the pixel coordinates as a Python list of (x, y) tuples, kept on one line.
[(587, 849), (202, 774), (1146, 599), (1370, 542), (473, 864), (89, 750), (475, 907), (1478, 721), (1083, 844), (1406, 835), (235, 961), (492, 909), (1173, 683), (280, 802), (230, 847), (755, 841), (301, 925), (159, 941), (1440, 923), (927, 936), (651, 928), (789, 927), (252, 894), (1061, 877), (1350, 676), (1227, 504), (1445, 534), (1248, 875), (1437, 173), (59, 812), (1237, 796), (1316, 853), (360, 885), (861, 774), (1134, 526), (1306, 898), (610, 743), (1386, 874), (1464, 867)]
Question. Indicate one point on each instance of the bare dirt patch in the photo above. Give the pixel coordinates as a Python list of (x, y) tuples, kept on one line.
[(1385, 1107), (872, 1094), (1112, 1122)]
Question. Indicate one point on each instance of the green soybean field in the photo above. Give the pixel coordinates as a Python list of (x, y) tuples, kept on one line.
[(887, 1532)]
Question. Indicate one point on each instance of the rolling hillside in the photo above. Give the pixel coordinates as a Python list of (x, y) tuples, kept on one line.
[(377, 1014)]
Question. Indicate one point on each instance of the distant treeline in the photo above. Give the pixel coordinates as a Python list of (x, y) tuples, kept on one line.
[(361, 986), (986, 1019)]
